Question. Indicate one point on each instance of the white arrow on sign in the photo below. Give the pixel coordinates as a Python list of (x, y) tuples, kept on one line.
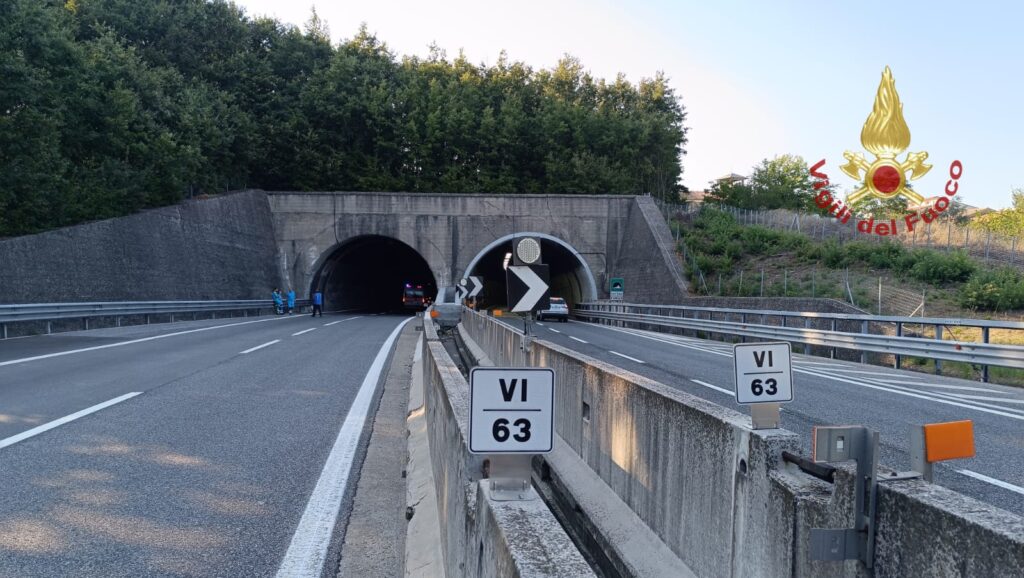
[(460, 292), (536, 287), (478, 286)]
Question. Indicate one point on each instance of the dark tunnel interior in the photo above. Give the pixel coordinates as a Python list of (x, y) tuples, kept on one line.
[(568, 275), (372, 273)]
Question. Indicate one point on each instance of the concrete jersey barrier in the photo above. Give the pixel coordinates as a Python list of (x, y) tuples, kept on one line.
[(720, 497), (482, 537)]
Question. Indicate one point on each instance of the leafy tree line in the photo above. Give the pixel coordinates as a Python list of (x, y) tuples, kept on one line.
[(112, 106)]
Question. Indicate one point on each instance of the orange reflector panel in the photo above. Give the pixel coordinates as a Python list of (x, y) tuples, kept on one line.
[(949, 441), (434, 314), (497, 312)]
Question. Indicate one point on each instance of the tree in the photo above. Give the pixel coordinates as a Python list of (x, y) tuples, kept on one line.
[(783, 182), (1008, 222)]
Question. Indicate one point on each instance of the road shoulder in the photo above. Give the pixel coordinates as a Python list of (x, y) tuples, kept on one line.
[(374, 543)]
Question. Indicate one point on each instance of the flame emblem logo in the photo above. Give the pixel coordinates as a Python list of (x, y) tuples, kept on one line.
[(886, 135)]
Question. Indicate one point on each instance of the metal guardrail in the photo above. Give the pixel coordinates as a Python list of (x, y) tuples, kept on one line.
[(738, 322), (25, 312)]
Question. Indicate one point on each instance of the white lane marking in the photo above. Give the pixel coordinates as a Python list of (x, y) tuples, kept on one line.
[(839, 365), (308, 549), (133, 341), (624, 355), (881, 373), (303, 331), (340, 320), (541, 324), (267, 344), (714, 387), (61, 421), (908, 393), (577, 339), (986, 398), (553, 329), (945, 386), (993, 481), (677, 344)]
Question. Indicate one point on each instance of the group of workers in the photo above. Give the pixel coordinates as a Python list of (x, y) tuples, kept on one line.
[(280, 302)]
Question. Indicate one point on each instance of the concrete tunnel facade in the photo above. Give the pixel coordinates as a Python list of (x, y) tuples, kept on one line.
[(327, 240)]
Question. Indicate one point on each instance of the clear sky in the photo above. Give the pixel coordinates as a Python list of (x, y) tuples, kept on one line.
[(758, 78)]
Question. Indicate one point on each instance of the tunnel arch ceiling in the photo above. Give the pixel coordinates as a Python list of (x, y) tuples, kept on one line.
[(571, 276), (370, 272)]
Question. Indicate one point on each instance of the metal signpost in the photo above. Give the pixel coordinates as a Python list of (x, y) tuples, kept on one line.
[(615, 288), (511, 418), (764, 379)]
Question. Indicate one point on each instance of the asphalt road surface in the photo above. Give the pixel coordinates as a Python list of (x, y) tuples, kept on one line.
[(212, 448), (830, 392)]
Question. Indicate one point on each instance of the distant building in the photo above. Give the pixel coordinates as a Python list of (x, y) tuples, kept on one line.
[(731, 178), (695, 197)]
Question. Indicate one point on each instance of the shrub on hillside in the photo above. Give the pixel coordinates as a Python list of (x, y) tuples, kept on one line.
[(993, 290), (934, 267)]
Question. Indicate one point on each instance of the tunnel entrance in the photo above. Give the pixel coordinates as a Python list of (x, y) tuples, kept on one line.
[(374, 273), (571, 277)]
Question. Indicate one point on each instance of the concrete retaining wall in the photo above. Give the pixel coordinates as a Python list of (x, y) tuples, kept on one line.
[(482, 537), (219, 248), (717, 493)]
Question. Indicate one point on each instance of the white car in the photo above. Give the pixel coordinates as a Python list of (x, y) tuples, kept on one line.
[(558, 309)]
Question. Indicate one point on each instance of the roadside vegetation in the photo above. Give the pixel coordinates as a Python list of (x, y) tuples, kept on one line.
[(108, 107), (721, 246)]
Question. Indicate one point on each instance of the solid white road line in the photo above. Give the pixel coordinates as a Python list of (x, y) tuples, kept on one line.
[(68, 418), (308, 549), (714, 387), (133, 341), (541, 324), (553, 329), (908, 393), (341, 320), (577, 339), (624, 355), (986, 398), (993, 481), (946, 386), (303, 331), (267, 344), (881, 373)]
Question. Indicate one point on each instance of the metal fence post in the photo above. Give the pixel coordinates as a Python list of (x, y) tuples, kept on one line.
[(938, 362), (4, 326)]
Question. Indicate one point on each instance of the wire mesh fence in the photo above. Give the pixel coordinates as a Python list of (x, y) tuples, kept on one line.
[(942, 234)]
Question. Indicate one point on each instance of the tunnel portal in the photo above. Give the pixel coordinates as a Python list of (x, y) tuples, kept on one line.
[(571, 278), (373, 273)]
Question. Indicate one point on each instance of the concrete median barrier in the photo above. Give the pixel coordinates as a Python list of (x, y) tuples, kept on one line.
[(718, 493), (480, 536)]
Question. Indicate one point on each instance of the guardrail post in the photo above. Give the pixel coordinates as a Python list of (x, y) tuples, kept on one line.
[(172, 318), (85, 324), (117, 320), (743, 319), (4, 326), (984, 368), (938, 362), (898, 363), (864, 331), (832, 353), (807, 325)]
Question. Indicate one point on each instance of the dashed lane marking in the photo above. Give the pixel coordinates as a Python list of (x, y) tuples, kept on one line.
[(66, 419), (267, 344)]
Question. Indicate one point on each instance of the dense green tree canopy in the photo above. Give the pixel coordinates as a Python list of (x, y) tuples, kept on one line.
[(783, 182), (112, 106)]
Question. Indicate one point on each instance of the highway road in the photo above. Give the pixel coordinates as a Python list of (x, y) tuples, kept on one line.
[(830, 392), (219, 447)]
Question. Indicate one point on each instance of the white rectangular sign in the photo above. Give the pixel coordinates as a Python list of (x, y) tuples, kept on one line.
[(511, 410), (764, 372)]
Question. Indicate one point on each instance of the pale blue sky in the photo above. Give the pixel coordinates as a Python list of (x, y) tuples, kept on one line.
[(758, 78)]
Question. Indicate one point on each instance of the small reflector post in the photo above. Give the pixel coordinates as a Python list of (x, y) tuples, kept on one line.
[(949, 441)]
